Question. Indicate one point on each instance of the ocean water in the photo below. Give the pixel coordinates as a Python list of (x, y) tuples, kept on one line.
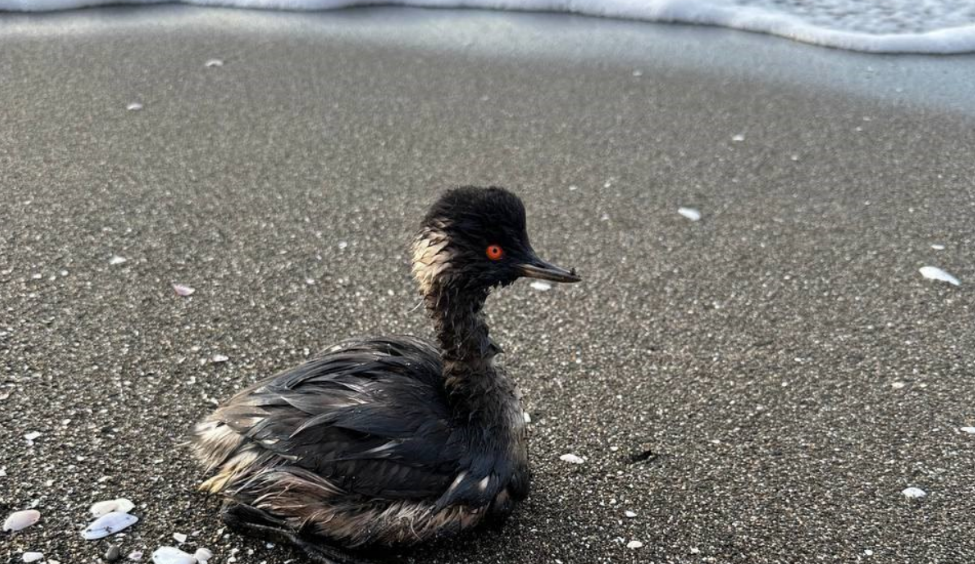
[(878, 26)]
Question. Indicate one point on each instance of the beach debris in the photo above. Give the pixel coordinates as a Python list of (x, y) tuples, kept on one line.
[(218, 358), (172, 555), (135, 555), (109, 524), (914, 493), (32, 556), (179, 537), (634, 544), (121, 505), (32, 436), (112, 554), (183, 290), (213, 63), (571, 459), (629, 514), (969, 430), (738, 137), (690, 213), (541, 285), (117, 260), (935, 273), (938, 247), (20, 520), (134, 107)]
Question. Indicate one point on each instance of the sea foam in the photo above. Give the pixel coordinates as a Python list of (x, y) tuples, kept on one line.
[(879, 26)]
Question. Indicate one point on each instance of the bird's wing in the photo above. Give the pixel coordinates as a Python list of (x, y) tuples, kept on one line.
[(368, 415)]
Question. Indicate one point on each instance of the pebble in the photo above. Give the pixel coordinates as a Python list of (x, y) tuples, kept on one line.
[(969, 430), (134, 107), (112, 554), (218, 358), (738, 137), (179, 537), (629, 514), (33, 556), (214, 63), (634, 544), (117, 260), (690, 213), (571, 458)]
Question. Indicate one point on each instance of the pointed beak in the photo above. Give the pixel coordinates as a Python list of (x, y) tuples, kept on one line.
[(538, 268)]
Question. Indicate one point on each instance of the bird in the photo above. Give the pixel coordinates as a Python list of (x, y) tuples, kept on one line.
[(390, 441)]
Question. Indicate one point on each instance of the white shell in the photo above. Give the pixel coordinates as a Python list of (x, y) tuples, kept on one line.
[(571, 458), (690, 213), (914, 493), (629, 514), (105, 507), (202, 555), (935, 273), (634, 544), (109, 524), (218, 358), (33, 556), (170, 555), (21, 520), (183, 290)]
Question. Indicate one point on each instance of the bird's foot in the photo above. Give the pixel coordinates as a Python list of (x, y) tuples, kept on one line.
[(257, 523)]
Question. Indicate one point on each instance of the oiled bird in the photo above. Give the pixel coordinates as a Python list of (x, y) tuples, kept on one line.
[(392, 440)]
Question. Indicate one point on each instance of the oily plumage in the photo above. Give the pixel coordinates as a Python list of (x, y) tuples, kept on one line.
[(391, 440)]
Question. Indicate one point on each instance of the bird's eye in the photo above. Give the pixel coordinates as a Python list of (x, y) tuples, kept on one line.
[(494, 252)]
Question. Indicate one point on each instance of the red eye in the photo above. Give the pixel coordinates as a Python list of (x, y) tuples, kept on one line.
[(494, 252)]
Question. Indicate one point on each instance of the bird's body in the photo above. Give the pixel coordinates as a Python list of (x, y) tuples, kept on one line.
[(391, 441)]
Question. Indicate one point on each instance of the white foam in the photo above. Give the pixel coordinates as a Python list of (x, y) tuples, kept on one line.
[(879, 26)]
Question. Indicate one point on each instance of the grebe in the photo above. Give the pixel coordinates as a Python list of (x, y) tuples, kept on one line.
[(390, 441)]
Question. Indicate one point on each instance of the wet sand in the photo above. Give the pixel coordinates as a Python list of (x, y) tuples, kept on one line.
[(782, 360)]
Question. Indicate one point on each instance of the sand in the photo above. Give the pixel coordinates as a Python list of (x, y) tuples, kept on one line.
[(782, 359)]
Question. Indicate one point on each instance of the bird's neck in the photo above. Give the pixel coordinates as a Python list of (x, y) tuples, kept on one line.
[(462, 332)]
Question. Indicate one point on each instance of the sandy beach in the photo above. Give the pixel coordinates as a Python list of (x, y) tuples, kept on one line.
[(758, 386)]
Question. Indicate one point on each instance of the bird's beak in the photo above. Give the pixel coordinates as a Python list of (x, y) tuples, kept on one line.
[(538, 268)]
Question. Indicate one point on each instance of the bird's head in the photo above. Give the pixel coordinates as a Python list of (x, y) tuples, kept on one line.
[(475, 238)]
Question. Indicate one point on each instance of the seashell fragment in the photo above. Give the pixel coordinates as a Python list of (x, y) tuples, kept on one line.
[(634, 544), (171, 555), (914, 493), (180, 537), (571, 458), (21, 520), (121, 505), (109, 524), (202, 555), (32, 556), (183, 290), (935, 273), (690, 213)]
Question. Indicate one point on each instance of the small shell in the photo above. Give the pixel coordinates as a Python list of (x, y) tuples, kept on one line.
[(935, 273), (571, 458), (690, 213), (202, 555), (170, 555), (183, 290), (914, 493), (21, 520), (33, 556), (109, 524), (634, 544), (218, 358), (121, 505)]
